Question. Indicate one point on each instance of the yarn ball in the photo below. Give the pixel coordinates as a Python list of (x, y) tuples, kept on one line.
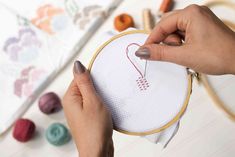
[(123, 21), (23, 130), (57, 134), (49, 103)]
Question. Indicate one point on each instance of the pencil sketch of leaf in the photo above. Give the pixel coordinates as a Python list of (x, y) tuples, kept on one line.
[(22, 21), (83, 23), (71, 7), (88, 9)]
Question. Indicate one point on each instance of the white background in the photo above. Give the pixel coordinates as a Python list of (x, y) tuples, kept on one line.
[(204, 130)]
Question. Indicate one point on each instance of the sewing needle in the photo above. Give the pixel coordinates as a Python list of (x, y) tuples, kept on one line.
[(145, 68)]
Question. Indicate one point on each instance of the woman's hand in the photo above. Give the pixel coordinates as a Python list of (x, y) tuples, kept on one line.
[(209, 45), (89, 120)]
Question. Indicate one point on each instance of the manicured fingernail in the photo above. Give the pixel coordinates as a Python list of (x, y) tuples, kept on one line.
[(143, 53), (78, 67)]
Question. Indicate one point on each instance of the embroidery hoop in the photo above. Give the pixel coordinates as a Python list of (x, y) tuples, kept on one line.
[(204, 78), (185, 103), (224, 3)]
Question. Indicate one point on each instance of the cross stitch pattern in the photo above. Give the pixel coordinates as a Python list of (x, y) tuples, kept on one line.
[(141, 81)]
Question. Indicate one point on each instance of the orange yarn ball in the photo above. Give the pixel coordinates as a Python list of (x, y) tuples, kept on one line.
[(123, 21)]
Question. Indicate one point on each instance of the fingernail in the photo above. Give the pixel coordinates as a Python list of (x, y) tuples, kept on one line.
[(143, 53), (78, 67)]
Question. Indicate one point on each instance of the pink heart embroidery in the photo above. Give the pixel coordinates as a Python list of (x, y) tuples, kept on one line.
[(141, 81)]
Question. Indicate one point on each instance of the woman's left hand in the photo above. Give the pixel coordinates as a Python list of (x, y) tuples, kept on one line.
[(88, 118)]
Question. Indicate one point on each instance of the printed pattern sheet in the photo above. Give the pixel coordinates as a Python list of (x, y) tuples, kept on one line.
[(37, 38)]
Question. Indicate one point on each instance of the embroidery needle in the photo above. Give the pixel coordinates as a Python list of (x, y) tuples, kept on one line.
[(145, 68), (148, 25)]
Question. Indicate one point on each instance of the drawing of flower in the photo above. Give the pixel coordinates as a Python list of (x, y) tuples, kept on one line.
[(23, 48), (50, 19), (86, 15), (28, 80)]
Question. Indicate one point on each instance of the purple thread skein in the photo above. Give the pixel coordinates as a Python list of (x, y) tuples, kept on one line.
[(49, 103)]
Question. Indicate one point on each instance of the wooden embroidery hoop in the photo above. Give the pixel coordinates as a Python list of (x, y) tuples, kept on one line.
[(184, 106), (204, 78), (224, 3)]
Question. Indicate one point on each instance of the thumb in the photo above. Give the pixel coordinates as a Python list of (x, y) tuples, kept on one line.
[(83, 81), (160, 52)]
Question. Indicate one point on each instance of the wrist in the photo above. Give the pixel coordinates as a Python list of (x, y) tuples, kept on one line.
[(97, 150), (92, 152)]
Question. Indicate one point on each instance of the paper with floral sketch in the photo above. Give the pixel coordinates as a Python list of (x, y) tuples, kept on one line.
[(37, 38)]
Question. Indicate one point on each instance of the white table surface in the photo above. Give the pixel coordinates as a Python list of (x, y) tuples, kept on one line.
[(204, 130)]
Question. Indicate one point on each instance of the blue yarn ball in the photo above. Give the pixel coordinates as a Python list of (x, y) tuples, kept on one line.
[(57, 134)]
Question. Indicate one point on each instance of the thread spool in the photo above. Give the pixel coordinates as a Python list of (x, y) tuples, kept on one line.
[(147, 20), (165, 6), (123, 21)]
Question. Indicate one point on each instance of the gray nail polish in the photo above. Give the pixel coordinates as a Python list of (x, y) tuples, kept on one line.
[(78, 67), (143, 53)]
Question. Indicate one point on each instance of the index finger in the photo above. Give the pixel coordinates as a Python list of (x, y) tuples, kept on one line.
[(165, 27), (72, 97)]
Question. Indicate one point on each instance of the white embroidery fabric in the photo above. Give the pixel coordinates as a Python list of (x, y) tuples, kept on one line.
[(116, 73)]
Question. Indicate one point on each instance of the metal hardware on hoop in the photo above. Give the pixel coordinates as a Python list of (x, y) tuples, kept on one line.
[(194, 74)]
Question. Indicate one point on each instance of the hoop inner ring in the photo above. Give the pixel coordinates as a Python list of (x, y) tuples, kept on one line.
[(169, 123)]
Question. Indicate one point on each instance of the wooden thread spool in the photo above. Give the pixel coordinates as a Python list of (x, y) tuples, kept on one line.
[(165, 6), (147, 20)]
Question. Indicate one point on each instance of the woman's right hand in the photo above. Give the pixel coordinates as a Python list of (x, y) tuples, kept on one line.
[(209, 45)]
